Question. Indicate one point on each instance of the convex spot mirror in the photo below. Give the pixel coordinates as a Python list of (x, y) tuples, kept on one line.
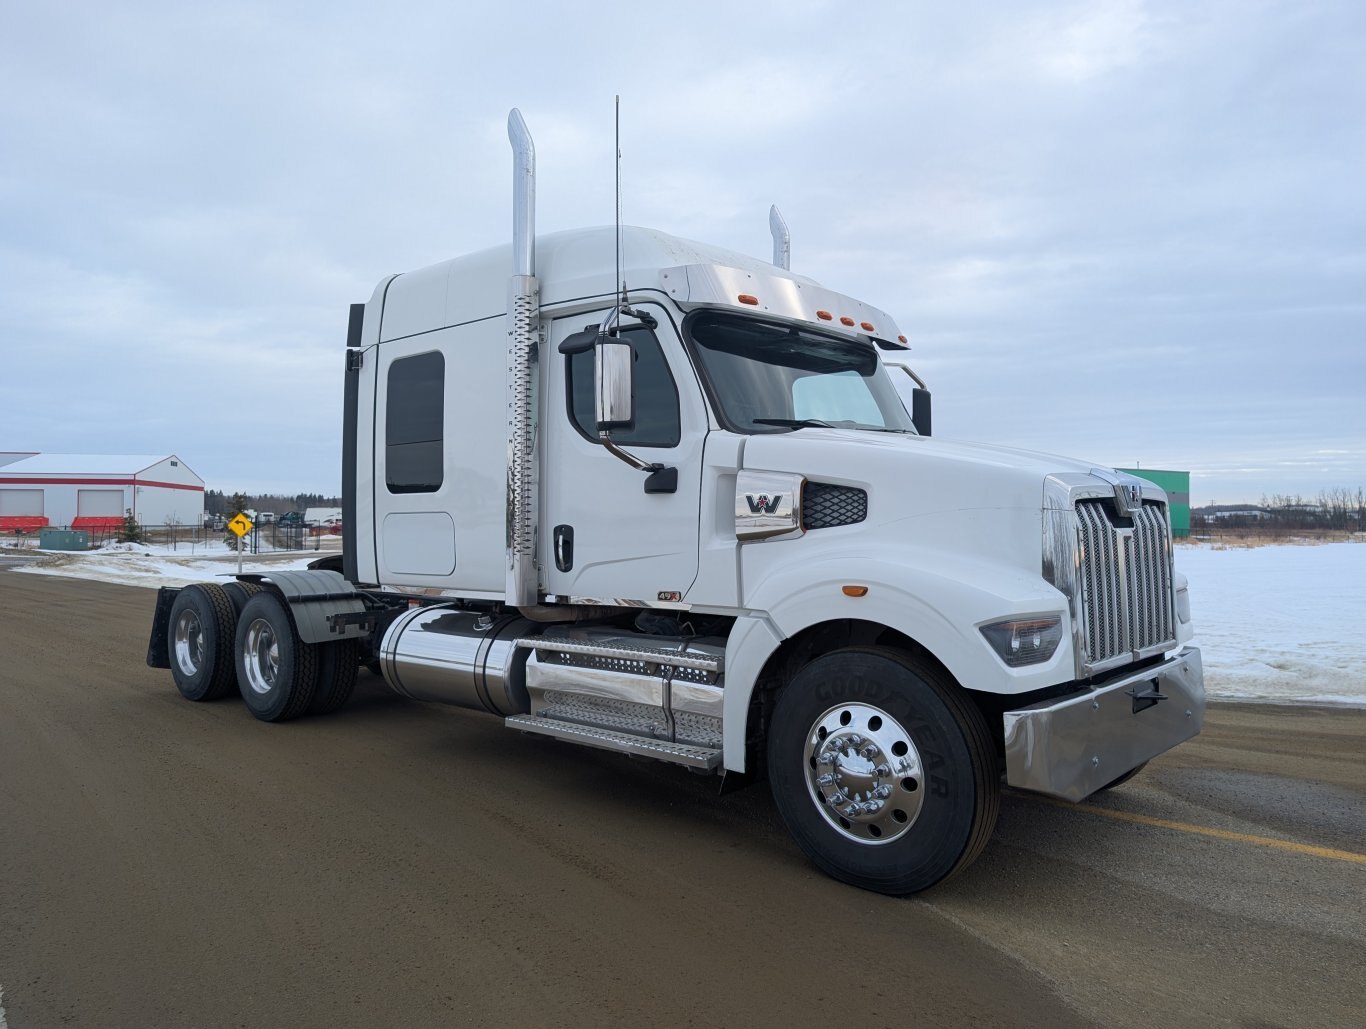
[(920, 410)]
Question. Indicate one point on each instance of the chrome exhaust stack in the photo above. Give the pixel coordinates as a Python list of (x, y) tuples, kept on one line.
[(523, 196), (523, 329), (782, 242)]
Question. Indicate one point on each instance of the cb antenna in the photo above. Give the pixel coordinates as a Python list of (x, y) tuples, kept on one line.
[(613, 319), (621, 276)]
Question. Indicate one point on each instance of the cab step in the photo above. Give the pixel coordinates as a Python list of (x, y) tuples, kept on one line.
[(627, 743)]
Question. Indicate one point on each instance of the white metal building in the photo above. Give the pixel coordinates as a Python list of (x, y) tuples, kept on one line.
[(92, 491)]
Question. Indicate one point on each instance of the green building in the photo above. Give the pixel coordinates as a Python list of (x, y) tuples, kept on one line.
[(1178, 487)]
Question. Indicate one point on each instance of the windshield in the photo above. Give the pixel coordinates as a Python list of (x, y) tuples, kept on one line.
[(766, 377)]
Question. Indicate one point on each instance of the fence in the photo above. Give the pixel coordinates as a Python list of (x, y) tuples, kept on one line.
[(263, 539)]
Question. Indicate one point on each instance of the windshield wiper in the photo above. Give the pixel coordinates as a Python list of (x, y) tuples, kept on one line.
[(816, 423), (794, 423)]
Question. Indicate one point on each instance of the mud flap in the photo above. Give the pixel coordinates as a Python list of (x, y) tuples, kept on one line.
[(158, 653)]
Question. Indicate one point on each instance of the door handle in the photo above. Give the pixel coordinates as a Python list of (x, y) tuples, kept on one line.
[(564, 547)]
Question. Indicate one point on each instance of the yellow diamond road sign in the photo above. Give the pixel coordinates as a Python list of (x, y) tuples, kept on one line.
[(240, 524)]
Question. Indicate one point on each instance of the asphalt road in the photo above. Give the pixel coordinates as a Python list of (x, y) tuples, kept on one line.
[(168, 863)]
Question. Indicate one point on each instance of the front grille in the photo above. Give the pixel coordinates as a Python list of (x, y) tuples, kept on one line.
[(1126, 580), (825, 505)]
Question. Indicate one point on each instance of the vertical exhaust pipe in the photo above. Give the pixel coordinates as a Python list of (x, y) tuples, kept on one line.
[(523, 196), (523, 327), (782, 242)]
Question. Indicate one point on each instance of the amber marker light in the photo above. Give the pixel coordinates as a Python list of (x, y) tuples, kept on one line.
[(846, 320), (824, 316), (901, 339), (854, 591), (745, 298), (866, 326)]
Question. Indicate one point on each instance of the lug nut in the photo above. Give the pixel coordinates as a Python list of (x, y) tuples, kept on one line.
[(871, 751), (828, 779)]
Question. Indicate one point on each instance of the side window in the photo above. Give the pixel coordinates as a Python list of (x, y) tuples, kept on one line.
[(657, 421), (414, 417)]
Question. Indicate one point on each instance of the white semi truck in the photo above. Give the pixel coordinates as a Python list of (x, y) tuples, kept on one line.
[(648, 495)]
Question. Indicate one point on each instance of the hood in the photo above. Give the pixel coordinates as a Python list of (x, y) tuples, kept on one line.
[(960, 473), (983, 499)]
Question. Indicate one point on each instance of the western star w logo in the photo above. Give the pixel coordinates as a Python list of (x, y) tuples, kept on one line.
[(763, 504)]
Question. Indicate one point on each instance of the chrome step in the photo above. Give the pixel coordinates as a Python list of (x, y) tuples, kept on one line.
[(623, 652), (607, 739)]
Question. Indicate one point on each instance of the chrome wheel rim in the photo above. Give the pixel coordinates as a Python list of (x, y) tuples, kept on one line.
[(864, 774), (189, 643), (261, 656)]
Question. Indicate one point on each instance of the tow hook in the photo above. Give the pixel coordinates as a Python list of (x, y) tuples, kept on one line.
[(1145, 695)]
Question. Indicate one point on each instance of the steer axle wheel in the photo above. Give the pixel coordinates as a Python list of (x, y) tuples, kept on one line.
[(277, 673), (883, 771), (200, 642)]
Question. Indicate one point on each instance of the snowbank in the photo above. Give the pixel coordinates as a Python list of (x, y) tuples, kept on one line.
[(1282, 623), (138, 564)]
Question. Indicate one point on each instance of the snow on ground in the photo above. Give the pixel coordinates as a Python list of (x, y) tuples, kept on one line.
[(1281, 623), (140, 564), (1284, 623)]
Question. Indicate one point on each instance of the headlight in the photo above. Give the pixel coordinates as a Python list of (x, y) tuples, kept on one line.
[(1024, 641)]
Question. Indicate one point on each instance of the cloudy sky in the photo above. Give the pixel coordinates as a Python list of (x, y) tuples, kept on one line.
[(1133, 232)]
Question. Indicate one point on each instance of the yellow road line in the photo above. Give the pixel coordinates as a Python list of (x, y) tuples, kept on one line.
[(1220, 834)]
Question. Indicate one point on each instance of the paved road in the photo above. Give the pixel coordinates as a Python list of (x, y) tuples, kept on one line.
[(167, 863)]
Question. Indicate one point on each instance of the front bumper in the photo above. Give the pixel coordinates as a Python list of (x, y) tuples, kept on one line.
[(1070, 748)]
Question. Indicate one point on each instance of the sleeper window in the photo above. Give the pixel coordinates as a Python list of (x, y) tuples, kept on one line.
[(413, 424)]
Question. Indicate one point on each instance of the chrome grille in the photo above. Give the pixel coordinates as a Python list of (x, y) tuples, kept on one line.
[(1126, 580)]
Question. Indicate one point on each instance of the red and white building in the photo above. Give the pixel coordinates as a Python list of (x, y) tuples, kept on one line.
[(96, 491)]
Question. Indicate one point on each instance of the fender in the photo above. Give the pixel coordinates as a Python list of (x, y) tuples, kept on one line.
[(312, 598), (966, 593)]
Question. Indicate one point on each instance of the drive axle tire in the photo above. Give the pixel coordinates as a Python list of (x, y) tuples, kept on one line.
[(239, 593), (199, 642), (883, 771), (338, 663), (277, 673)]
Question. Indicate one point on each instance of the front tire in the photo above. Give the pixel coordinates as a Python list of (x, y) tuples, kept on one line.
[(199, 642), (277, 673), (884, 773)]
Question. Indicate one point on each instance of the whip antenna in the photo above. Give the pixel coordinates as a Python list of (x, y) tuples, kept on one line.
[(621, 277)]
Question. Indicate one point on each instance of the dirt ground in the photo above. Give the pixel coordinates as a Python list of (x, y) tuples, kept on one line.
[(168, 863)]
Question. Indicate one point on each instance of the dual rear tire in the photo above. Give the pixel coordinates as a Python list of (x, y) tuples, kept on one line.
[(243, 635)]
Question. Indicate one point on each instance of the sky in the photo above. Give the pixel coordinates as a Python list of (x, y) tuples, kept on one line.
[(1130, 232)]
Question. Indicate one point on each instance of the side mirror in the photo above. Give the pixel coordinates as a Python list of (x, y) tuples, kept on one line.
[(920, 410), (614, 385)]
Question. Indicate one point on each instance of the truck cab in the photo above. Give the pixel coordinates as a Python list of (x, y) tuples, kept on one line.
[(654, 496)]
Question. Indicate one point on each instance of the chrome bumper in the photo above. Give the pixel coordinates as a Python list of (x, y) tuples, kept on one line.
[(1072, 747)]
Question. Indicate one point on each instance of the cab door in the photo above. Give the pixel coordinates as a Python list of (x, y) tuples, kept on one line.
[(603, 537)]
